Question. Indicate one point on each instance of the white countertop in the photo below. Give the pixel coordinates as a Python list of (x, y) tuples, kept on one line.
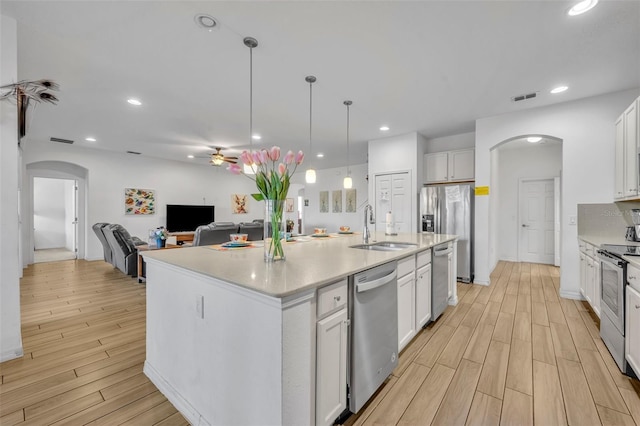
[(599, 241), (309, 264)]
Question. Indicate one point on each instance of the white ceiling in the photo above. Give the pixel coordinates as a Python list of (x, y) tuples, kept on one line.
[(428, 66)]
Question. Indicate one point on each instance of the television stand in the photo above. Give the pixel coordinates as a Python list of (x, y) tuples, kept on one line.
[(185, 237)]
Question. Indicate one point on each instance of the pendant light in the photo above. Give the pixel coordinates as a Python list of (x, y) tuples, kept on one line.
[(310, 175), (250, 42), (348, 182)]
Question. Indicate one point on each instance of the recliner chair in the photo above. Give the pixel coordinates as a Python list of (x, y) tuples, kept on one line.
[(214, 233), (98, 228), (123, 248)]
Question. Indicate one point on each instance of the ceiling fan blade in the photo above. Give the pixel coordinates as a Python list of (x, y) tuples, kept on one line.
[(228, 160)]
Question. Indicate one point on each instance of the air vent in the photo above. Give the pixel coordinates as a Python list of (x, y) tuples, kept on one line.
[(133, 152), (524, 97), (61, 140)]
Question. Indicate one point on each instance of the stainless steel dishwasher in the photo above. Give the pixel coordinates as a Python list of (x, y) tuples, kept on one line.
[(440, 276), (374, 331)]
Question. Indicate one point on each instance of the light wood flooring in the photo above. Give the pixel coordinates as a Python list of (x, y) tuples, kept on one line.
[(511, 353), (83, 331)]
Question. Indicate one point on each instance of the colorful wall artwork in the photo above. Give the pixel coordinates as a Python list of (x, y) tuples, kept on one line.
[(239, 203), (139, 201)]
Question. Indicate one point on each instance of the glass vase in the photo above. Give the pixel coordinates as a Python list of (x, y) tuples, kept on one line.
[(274, 227)]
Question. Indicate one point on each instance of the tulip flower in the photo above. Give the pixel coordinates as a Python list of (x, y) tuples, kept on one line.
[(235, 169), (256, 158), (299, 157), (275, 153), (246, 158), (282, 169), (288, 159), (264, 156)]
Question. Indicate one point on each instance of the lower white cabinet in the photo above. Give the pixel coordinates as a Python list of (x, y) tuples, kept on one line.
[(452, 275), (406, 310), (632, 329), (423, 295), (331, 353), (590, 275)]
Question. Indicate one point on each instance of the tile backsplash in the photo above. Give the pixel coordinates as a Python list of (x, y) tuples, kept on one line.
[(605, 220)]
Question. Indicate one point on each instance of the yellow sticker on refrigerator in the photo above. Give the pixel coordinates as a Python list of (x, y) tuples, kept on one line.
[(482, 190)]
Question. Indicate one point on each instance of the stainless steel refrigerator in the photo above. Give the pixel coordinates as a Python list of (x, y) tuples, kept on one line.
[(448, 209)]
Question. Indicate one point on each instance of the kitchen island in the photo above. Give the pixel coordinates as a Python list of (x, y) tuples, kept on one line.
[(232, 340)]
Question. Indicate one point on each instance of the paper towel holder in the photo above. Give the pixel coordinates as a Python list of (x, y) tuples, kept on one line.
[(389, 225)]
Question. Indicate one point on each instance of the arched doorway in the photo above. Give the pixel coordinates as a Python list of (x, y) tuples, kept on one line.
[(53, 170)]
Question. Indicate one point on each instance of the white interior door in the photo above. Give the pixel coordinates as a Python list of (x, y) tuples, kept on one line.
[(393, 194), (537, 224)]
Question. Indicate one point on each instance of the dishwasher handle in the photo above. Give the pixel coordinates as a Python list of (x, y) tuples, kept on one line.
[(370, 285), (442, 252)]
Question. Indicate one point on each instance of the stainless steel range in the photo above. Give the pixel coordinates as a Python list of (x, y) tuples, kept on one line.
[(613, 279)]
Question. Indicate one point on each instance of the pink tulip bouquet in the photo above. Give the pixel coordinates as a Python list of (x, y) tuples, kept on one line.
[(272, 177)]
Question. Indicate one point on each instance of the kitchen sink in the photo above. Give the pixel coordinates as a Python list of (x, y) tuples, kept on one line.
[(384, 246)]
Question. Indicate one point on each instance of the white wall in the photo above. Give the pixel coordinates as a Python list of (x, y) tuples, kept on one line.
[(175, 182), (450, 143), (533, 161), (331, 180), (586, 128), (49, 213), (10, 338)]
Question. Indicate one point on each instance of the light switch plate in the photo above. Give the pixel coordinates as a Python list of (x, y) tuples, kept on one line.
[(572, 220)]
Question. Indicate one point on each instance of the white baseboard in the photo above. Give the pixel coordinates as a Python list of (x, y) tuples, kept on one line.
[(187, 410), (575, 295), (11, 354)]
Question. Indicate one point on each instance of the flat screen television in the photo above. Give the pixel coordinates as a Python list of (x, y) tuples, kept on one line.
[(181, 218)]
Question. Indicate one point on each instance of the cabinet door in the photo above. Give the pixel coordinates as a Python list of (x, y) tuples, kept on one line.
[(423, 295), (589, 281), (435, 167), (632, 329), (583, 274), (453, 279), (406, 310), (462, 165), (620, 161), (596, 287), (331, 367), (631, 151)]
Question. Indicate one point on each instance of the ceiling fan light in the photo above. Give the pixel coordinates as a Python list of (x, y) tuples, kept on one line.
[(348, 182), (217, 159), (310, 176)]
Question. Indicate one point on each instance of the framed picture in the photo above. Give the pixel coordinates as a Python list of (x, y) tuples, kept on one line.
[(139, 201), (336, 201), (324, 201), (350, 200), (239, 203), (288, 205)]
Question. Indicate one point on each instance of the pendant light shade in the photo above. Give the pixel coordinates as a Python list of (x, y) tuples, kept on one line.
[(250, 42), (348, 182), (310, 175)]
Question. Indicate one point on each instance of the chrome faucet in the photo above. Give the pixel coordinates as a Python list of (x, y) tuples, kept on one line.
[(365, 233)]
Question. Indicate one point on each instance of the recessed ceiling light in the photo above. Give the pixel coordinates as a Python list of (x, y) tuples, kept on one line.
[(559, 89), (384, 128), (256, 137), (90, 139), (135, 102), (206, 22), (534, 139), (190, 156), (582, 7), (320, 155)]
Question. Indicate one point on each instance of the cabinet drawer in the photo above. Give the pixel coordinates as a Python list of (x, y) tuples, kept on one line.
[(589, 250), (406, 266), (633, 277), (423, 258), (332, 297)]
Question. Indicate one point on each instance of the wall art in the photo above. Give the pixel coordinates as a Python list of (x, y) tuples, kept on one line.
[(139, 201), (239, 203), (288, 206), (324, 201), (350, 200), (336, 201)]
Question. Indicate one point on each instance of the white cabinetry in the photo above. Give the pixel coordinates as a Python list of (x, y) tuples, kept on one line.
[(331, 353), (406, 301), (632, 320), (450, 166), (590, 275), (423, 288), (626, 155)]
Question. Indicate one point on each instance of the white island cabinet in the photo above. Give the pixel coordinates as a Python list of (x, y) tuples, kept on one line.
[(232, 340)]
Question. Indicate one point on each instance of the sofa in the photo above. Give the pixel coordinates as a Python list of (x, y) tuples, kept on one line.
[(214, 233), (124, 253)]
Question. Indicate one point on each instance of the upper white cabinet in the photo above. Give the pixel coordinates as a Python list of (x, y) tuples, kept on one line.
[(627, 149), (450, 166)]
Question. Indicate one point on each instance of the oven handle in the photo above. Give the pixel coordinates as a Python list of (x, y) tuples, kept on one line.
[(604, 255)]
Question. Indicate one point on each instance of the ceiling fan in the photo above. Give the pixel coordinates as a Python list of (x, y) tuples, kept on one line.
[(216, 158)]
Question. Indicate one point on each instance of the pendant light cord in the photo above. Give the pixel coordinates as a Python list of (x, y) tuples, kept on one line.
[(310, 113), (348, 104), (250, 97)]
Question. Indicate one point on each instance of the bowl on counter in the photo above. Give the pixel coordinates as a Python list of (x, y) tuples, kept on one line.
[(345, 228), (320, 231), (239, 238)]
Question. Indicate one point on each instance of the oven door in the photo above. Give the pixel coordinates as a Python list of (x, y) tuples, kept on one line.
[(612, 275)]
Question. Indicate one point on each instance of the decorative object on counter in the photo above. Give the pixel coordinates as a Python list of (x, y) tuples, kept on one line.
[(350, 200), (272, 178), (389, 225), (161, 237), (239, 204), (323, 198), (238, 238), (310, 174), (336, 201), (290, 225), (348, 182), (139, 201), (25, 91)]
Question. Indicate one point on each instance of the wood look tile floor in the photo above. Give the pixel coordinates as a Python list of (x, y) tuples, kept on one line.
[(512, 353)]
